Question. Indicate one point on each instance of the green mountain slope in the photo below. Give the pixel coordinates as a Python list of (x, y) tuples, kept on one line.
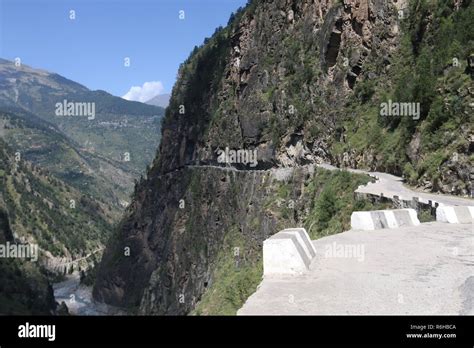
[(45, 210), (44, 145), (118, 127), (39, 209), (434, 66)]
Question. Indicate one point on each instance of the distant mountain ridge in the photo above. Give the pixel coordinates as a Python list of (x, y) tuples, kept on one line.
[(161, 100), (38, 92), (122, 134)]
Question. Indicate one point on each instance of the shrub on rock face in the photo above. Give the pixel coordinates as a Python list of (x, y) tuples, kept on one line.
[(326, 207)]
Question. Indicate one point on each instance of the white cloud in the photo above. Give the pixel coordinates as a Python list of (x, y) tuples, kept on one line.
[(145, 92)]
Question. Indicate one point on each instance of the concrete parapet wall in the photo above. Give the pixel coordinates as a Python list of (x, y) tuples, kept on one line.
[(399, 202), (378, 219), (455, 214), (303, 239), (288, 252)]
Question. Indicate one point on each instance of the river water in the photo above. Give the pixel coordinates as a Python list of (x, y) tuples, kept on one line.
[(78, 298)]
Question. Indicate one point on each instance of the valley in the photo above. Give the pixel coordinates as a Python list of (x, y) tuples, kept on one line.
[(67, 171), (296, 114)]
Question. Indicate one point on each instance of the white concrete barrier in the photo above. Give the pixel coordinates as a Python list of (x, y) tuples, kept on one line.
[(288, 252), (304, 240), (379, 219), (455, 214)]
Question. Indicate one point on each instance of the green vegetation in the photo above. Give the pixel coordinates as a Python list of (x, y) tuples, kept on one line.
[(88, 276), (99, 155), (36, 206), (118, 126), (332, 201), (50, 151), (57, 217), (425, 216), (24, 289), (236, 278), (431, 67)]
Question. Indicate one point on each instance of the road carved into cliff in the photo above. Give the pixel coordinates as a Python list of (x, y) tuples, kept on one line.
[(387, 185)]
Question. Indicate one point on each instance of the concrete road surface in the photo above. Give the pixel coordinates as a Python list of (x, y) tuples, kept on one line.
[(427, 269), (390, 185)]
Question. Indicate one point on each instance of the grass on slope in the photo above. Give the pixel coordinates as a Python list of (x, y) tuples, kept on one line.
[(236, 279), (431, 68)]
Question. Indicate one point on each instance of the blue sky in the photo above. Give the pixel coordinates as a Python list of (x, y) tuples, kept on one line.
[(91, 48)]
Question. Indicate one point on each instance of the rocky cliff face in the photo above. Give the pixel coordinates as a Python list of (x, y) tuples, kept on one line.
[(299, 82), (266, 77)]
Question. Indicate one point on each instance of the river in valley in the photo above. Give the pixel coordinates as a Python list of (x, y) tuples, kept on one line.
[(78, 298)]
